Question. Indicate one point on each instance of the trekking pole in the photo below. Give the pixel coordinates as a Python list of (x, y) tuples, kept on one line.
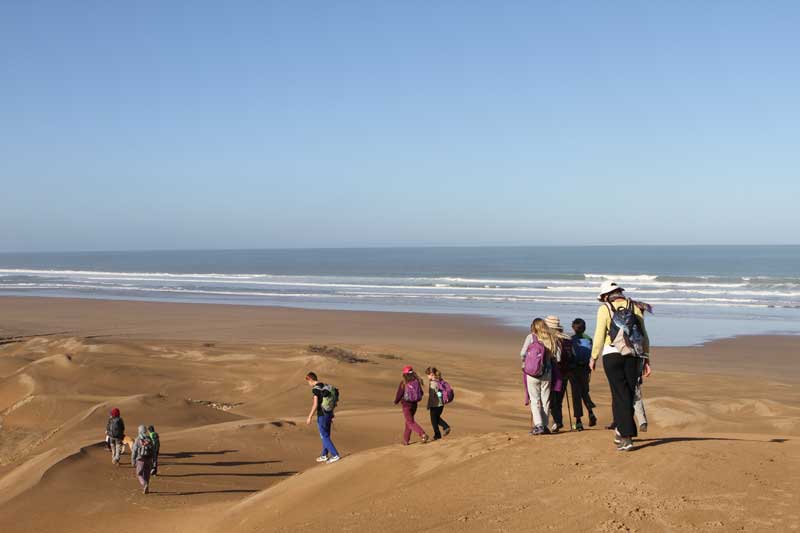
[(569, 412)]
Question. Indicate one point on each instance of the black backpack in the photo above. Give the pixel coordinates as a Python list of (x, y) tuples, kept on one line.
[(117, 428), (626, 330)]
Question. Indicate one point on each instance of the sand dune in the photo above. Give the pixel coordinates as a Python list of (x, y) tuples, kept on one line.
[(226, 392)]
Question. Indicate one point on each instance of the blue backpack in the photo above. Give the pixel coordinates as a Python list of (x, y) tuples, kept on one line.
[(582, 350)]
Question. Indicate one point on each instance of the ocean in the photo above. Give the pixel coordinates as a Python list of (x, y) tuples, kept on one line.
[(698, 293)]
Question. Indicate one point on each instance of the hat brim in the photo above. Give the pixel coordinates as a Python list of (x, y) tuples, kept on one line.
[(615, 289)]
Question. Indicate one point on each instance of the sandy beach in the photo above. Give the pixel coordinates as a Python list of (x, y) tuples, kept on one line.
[(224, 387)]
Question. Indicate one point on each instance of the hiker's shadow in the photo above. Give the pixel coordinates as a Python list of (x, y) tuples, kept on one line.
[(187, 455), (669, 440)]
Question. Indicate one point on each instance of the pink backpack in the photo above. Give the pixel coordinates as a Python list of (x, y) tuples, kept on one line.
[(413, 392), (535, 358), (447, 391)]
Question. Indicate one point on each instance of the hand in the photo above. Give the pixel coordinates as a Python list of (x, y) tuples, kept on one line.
[(308, 421), (592, 363), (646, 371)]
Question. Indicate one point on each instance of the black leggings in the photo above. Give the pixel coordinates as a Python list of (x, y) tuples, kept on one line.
[(622, 372), (437, 421)]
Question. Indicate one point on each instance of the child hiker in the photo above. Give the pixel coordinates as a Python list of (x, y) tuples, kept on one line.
[(409, 394), (581, 375), (436, 402), (537, 360), (142, 454), (325, 399)]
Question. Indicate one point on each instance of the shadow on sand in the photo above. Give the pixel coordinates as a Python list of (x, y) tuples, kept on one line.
[(669, 440)]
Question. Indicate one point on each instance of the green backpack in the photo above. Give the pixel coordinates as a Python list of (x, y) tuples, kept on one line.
[(330, 401)]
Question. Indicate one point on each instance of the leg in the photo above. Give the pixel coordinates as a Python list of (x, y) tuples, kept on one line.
[(638, 406), (557, 404), (444, 425), (416, 428), (576, 384), (408, 418), (621, 393), (535, 395), (116, 449), (436, 413), (545, 401), (325, 423)]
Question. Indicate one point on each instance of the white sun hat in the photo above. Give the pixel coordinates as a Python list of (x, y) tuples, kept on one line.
[(607, 287)]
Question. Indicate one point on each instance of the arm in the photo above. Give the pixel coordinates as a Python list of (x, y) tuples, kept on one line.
[(600, 332), (524, 349), (314, 405), (399, 395)]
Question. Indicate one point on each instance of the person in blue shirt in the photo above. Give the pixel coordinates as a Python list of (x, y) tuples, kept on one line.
[(582, 352)]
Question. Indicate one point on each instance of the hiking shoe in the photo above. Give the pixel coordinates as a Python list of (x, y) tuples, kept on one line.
[(592, 420), (578, 426), (425, 439), (322, 458), (545, 430), (332, 459), (643, 427), (617, 439), (625, 445), (538, 430), (146, 488), (446, 431), (555, 428)]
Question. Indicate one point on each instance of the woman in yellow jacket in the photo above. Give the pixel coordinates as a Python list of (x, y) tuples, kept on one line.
[(622, 369)]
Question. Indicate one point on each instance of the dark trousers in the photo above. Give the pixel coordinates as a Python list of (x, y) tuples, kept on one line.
[(623, 373), (579, 382), (557, 402), (437, 421)]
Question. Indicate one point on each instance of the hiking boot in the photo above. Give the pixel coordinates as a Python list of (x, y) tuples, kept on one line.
[(322, 458), (592, 420), (538, 430), (425, 439), (332, 459), (578, 426), (446, 431), (146, 488), (643, 427), (617, 439), (625, 444), (555, 428)]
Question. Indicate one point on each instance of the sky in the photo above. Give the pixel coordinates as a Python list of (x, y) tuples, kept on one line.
[(188, 125)]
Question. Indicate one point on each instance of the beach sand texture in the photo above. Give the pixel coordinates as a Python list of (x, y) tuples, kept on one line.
[(224, 387)]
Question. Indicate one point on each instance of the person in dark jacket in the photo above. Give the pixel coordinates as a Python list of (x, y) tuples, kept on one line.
[(115, 432), (151, 430), (410, 384), (436, 403), (142, 454)]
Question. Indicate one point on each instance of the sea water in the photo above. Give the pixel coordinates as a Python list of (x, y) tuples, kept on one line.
[(698, 292)]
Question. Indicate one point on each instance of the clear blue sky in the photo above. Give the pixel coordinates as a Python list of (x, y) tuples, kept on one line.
[(143, 125)]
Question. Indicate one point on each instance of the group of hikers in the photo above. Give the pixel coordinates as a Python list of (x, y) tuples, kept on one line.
[(550, 361), (409, 393), (144, 448)]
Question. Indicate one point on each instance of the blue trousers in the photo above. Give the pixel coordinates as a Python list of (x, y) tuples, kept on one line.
[(324, 423)]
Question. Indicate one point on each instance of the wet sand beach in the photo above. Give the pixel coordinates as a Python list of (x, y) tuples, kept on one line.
[(224, 387)]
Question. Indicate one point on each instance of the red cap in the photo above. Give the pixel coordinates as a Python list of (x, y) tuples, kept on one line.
[(407, 369), (115, 412)]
